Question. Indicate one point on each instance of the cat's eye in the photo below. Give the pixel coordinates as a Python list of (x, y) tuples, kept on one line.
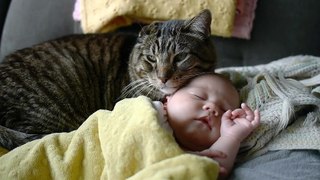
[(186, 65), (151, 58), (147, 67), (180, 57)]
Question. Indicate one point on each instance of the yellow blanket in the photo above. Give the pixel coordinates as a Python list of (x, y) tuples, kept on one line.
[(107, 15), (127, 142)]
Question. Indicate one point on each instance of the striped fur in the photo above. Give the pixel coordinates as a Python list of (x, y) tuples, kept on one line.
[(56, 85)]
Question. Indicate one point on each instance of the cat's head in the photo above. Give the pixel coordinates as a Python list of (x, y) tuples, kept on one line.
[(170, 53)]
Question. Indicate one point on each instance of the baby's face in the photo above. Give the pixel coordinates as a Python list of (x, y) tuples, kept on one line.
[(194, 111)]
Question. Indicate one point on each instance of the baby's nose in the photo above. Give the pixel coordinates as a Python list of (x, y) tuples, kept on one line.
[(212, 108)]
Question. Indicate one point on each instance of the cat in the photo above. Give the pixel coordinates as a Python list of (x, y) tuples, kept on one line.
[(54, 86)]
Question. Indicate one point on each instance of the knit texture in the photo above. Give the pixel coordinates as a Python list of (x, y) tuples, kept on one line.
[(287, 94), (107, 15)]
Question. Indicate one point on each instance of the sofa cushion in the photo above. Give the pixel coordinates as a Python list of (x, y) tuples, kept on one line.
[(281, 28), (4, 5), (33, 21)]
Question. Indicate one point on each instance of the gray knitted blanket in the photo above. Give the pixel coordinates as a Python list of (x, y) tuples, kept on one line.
[(287, 93)]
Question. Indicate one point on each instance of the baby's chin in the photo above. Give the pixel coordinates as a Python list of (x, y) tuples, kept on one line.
[(194, 144), (195, 147)]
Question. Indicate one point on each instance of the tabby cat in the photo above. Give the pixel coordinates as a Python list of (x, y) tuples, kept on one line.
[(56, 85)]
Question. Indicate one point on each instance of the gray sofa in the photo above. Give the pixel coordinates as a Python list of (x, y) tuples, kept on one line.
[(281, 28)]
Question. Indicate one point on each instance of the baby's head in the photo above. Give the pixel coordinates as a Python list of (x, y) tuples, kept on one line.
[(195, 110)]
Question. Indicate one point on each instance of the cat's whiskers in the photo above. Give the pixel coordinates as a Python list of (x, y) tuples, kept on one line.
[(131, 89), (126, 91), (131, 84), (145, 87), (152, 88)]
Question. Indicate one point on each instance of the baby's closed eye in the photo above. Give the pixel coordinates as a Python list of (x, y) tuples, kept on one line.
[(199, 97), (198, 94)]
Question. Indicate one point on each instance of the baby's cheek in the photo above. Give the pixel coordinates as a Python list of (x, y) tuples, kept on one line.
[(178, 112)]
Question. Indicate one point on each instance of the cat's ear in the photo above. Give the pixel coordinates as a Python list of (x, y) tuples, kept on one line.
[(200, 23), (149, 29)]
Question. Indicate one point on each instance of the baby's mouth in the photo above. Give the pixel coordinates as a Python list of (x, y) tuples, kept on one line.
[(206, 120)]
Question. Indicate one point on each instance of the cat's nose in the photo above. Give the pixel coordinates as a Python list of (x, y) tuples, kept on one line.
[(163, 79)]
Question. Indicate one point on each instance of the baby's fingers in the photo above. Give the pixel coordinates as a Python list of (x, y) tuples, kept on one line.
[(256, 121), (248, 111), (238, 113), (222, 172), (212, 153), (226, 115)]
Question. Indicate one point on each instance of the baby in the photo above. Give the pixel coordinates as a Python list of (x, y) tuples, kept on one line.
[(205, 119)]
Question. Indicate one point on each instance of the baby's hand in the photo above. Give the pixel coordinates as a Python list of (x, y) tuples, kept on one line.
[(212, 153), (239, 123)]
